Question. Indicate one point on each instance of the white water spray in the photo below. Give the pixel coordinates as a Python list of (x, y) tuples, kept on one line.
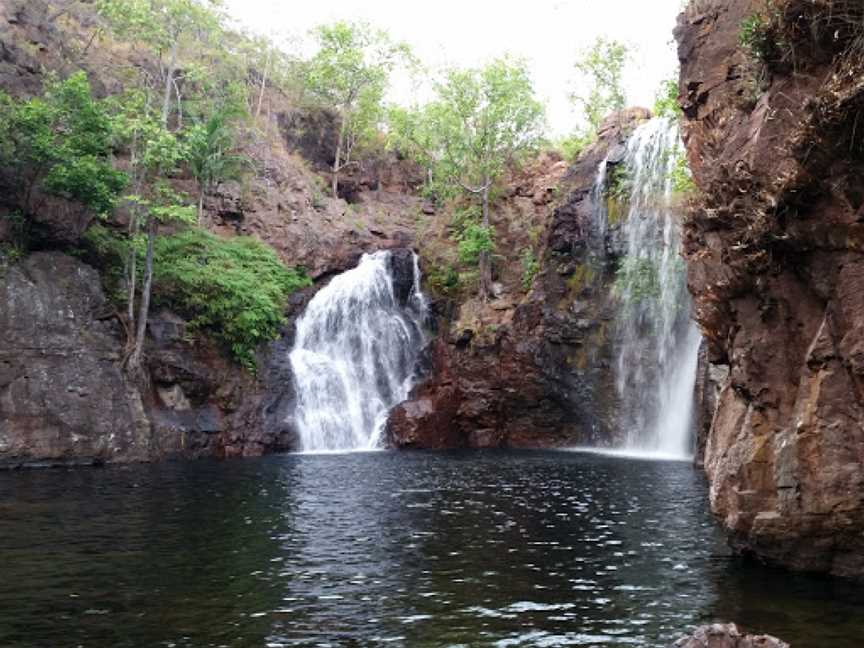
[(355, 355), (659, 342)]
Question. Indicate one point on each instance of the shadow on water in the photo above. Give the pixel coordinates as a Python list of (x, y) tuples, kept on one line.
[(498, 548)]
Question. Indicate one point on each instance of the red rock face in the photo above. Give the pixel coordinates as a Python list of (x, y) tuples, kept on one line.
[(537, 374), (774, 249)]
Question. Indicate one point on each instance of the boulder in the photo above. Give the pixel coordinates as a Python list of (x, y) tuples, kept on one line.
[(727, 636)]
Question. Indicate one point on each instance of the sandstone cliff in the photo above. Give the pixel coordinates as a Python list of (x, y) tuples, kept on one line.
[(534, 371), (774, 247)]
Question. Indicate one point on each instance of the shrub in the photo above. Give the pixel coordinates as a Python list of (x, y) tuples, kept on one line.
[(666, 100), (235, 289), (530, 268), (61, 143), (571, 147), (444, 280), (463, 217), (619, 183), (682, 179), (474, 241), (757, 37)]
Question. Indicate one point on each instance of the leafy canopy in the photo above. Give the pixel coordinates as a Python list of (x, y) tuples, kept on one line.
[(351, 71), (602, 68), (160, 23), (481, 121), (61, 143)]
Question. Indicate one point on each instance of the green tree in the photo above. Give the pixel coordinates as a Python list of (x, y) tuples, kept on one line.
[(601, 66), (165, 25), (350, 74), (410, 131), (666, 99), (155, 155), (209, 155), (482, 121), (59, 143)]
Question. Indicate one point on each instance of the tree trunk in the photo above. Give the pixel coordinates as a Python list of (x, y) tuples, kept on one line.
[(144, 308), (200, 205), (169, 80), (263, 86), (132, 258), (485, 257), (337, 163), (131, 277)]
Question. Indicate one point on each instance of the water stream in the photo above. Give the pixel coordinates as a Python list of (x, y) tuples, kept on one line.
[(354, 356), (658, 341)]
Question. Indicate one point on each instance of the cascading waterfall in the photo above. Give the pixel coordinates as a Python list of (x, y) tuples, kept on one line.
[(659, 342), (355, 355)]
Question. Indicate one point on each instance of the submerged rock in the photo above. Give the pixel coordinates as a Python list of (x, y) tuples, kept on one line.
[(727, 636)]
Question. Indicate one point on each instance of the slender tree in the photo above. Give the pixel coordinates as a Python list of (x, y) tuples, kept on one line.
[(210, 155), (601, 67), (350, 74), (164, 25)]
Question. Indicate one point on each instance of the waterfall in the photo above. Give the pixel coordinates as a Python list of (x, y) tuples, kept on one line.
[(659, 342), (355, 353)]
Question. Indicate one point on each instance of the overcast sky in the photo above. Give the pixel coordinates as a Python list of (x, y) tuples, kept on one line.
[(548, 33)]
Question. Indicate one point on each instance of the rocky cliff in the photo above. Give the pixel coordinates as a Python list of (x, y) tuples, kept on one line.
[(774, 247), (64, 398), (534, 371)]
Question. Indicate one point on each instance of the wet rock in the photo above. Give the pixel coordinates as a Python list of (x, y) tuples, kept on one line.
[(402, 270), (727, 636)]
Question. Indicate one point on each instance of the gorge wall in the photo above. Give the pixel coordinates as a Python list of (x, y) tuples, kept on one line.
[(774, 247), (534, 370)]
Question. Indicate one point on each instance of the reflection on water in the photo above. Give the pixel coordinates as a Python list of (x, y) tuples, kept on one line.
[(494, 549)]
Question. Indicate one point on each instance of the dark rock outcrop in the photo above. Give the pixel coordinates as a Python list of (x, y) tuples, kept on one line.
[(537, 373), (775, 251), (727, 636), (64, 398)]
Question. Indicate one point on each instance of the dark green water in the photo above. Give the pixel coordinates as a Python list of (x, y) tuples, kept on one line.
[(495, 549)]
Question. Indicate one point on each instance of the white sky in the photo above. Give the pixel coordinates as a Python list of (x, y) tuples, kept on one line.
[(548, 33)]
